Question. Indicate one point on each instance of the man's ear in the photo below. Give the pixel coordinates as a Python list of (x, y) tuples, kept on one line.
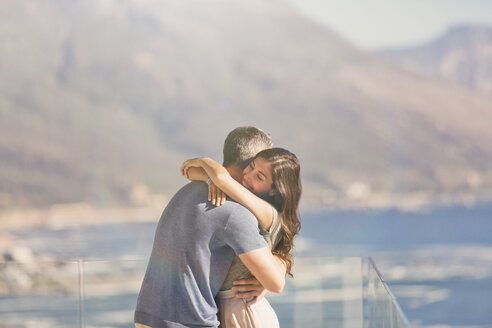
[(235, 171)]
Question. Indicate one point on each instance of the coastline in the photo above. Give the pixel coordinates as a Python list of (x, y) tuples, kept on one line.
[(84, 213), (75, 214)]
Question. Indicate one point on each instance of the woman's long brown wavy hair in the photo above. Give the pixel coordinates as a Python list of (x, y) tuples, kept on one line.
[(287, 184)]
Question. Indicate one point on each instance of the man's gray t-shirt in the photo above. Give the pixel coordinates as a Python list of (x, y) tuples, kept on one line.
[(195, 243)]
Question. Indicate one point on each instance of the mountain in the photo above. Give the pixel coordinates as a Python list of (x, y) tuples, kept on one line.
[(463, 54), (97, 98)]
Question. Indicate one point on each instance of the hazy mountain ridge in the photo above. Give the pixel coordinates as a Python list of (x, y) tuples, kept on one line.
[(463, 54), (98, 97)]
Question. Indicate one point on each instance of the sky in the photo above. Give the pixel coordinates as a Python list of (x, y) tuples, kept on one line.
[(391, 24)]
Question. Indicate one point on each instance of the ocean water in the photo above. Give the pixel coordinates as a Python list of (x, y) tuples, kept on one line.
[(438, 262)]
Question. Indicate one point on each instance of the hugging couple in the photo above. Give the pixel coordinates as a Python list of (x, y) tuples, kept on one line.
[(224, 239)]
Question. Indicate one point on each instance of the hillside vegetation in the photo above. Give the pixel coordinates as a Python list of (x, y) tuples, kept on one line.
[(99, 97)]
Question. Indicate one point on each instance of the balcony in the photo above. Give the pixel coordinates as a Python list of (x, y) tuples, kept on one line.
[(325, 292)]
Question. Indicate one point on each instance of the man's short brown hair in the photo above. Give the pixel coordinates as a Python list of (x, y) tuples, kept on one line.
[(243, 143)]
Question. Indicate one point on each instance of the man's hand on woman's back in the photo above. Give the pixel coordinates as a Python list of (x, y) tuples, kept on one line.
[(248, 288)]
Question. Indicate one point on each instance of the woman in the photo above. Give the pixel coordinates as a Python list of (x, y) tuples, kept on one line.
[(270, 188)]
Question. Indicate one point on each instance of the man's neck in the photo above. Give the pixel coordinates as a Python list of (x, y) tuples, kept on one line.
[(235, 172)]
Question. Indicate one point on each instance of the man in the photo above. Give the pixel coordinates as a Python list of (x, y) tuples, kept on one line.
[(195, 243)]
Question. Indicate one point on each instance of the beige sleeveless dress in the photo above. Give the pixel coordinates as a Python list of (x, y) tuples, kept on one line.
[(233, 312)]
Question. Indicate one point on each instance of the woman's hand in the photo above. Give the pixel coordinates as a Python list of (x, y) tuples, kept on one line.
[(215, 195), (194, 162)]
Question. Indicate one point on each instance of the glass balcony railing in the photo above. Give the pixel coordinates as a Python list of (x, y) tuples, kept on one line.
[(325, 292)]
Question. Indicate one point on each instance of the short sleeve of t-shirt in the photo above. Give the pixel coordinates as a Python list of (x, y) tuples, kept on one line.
[(242, 233)]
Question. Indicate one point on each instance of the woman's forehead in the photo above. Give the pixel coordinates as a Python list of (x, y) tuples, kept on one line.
[(263, 165)]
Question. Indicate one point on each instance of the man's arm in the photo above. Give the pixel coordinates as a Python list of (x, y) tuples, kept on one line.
[(267, 268), (251, 288)]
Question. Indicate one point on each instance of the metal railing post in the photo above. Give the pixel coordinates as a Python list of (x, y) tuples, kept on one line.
[(81, 293)]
